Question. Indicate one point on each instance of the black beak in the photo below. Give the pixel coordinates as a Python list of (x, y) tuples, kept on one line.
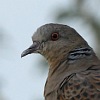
[(32, 49)]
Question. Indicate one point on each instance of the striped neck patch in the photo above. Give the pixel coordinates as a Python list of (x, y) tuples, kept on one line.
[(80, 53)]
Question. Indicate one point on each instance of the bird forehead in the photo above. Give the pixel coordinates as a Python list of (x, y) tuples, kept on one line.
[(36, 37), (42, 33)]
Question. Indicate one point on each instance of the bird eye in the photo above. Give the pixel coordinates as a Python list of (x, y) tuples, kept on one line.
[(55, 36)]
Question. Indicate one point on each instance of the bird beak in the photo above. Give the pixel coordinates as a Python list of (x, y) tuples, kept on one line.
[(32, 49)]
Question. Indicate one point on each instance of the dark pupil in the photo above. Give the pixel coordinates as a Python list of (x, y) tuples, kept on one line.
[(54, 36)]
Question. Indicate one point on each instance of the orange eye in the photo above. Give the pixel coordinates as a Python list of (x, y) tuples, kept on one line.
[(54, 36)]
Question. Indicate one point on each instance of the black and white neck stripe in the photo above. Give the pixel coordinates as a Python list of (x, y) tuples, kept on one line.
[(80, 53)]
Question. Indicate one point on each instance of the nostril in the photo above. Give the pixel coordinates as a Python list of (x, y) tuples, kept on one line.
[(34, 45)]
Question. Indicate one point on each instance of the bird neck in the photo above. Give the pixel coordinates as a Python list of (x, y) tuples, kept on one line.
[(74, 61), (77, 60)]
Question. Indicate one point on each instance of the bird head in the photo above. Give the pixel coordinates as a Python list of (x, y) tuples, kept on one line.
[(54, 42)]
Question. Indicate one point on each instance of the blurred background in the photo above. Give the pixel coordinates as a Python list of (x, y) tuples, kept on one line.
[(24, 79)]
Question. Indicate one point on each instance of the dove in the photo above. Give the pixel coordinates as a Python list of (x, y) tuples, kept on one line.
[(74, 68)]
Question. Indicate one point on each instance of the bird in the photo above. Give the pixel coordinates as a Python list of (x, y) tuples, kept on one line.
[(74, 68)]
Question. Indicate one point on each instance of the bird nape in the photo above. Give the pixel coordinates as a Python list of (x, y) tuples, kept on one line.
[(74, 72)]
